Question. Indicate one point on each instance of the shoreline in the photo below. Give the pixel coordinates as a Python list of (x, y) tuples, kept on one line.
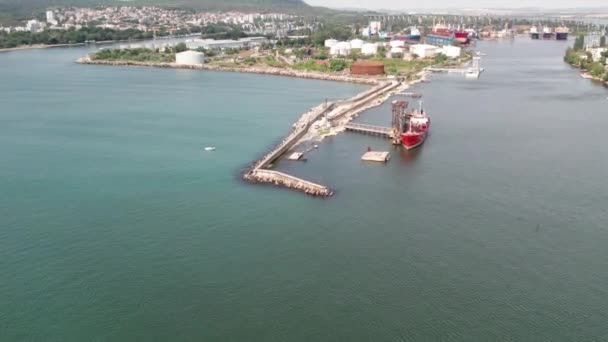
[(251, 70), (40, 46)]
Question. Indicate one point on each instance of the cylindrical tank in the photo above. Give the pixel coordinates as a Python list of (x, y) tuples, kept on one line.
[(330, 42), (369, 49), (356, 44), (189, 58), (397, 43)]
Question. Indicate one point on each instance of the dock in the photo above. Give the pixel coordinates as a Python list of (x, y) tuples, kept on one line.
[(376, 156), (260, 172), (386, 132)]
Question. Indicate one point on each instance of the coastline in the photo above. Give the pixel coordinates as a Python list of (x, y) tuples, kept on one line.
[(252, 70), (39, 46)]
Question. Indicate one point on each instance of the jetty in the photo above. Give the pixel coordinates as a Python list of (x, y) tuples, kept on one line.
[(386, 132), (339, 114)]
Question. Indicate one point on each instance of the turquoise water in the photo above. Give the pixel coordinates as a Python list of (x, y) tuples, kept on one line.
[(115, 225)]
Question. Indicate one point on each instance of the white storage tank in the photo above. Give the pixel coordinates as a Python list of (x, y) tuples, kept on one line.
[(451, 51), (330, 42), (397, 43), (356, 44), (369, 49), (397, 50), (424, 50), (340, 49), (189, 58)]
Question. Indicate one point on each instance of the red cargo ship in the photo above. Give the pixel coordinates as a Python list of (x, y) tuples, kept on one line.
[(461, 36), (415, 129)]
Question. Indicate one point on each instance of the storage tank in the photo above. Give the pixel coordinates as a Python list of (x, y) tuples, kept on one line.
[(367, 68), (397, 50), (189, 58), (340, 49), (397, 43), (356, 44), (330, 42), (369, 49)]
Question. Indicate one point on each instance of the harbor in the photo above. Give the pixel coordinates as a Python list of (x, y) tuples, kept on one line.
[(112, 212), (338, 115)]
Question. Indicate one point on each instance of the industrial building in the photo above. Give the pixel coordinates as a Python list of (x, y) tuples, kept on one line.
[(189, 58)]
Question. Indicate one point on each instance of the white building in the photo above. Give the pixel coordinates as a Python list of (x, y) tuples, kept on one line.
[(50, 18), (190, 58), (340, 49), (369, 49), (451, 51), (33, 26), (330, 42), (356, 44), (374, 27), (424, 50)]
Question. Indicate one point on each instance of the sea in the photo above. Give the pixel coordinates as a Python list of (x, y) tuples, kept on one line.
[(117, 225)]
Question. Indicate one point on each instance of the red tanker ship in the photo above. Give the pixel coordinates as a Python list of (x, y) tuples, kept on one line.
[(415, 129)]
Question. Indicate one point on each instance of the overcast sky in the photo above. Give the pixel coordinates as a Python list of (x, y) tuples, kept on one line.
[(404, 5)]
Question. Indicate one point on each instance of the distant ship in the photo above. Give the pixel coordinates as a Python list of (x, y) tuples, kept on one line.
[(415, 128), (413, 36), (561, 33), (440, 35), (547, 33), (461, 36), (534, 32)]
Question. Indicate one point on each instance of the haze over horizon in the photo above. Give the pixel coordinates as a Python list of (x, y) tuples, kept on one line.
[(396, 4)]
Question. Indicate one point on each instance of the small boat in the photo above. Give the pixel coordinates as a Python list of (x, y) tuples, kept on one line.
[(210, 148)]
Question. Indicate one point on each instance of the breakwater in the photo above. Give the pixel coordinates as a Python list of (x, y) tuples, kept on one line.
[(252, 70)]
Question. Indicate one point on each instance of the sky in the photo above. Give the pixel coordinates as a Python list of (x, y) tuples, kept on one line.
[(419, 4)]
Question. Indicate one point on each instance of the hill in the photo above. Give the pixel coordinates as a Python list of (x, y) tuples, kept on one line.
[(28, 8)]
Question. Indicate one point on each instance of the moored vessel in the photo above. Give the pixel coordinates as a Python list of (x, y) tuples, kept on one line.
[(534, 32), (415, 128), (440, 35), (561, 33), (547, 33), (461, 36)]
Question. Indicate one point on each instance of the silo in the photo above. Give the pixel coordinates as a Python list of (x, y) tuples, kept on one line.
[(189, 58)]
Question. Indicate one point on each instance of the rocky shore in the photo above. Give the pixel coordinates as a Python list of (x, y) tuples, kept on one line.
[(253, 70)]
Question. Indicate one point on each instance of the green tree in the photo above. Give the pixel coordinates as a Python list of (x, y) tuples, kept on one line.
[(181, 47), (337, 65), (603, 41), (579, 42)]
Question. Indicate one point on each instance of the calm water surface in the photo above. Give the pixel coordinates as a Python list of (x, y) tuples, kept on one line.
[(114, 225)]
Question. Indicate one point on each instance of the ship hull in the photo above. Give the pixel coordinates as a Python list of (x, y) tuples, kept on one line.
[(412, 140), (461, 37), (547, 35), (561, 36), (534, 35), (439, 40)]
